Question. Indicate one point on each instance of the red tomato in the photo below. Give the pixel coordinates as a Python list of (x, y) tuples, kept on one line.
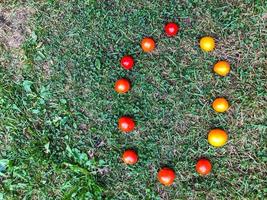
[(166, 176), (122, 86), (171, 29), (127, 62), (203, 166), (126, 124), (130, 157)]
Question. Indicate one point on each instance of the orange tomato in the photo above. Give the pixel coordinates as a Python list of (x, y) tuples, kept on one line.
[(130, 157), (148, 44), (207, 43), (122, 86), (222, 68), (166, 176), (217, 137), (220, 105)]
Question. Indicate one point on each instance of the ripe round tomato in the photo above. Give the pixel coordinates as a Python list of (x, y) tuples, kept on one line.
[(126, 124), (122, 86), (207, 43), (203, 166), (217, 137), (222, 68), (166, 176), (148, 44), (171, 29), (130, 157), (127, 62), (220, 105)]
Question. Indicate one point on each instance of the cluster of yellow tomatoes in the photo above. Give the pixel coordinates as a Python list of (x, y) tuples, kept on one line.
[(216, 137)]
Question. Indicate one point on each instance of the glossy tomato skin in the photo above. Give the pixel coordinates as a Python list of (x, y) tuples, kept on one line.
[(148, 44), (122, 86), (171, 29), (217, 137), (126, 124), (203, 166), (207, 43), (166, 176), (220, 105), (222, 68), (130, 157), (127, 62)]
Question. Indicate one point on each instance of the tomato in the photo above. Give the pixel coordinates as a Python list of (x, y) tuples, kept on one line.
[(130, 157), (148, 44), (126, 124), (207, 43), (217, 137), (122, 86), (222, 68), (203, 166), (171, 29), (127, 62), (220, 105), (166, 176)]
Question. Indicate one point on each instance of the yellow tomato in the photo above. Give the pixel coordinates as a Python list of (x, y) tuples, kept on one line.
[(222, 68), (217, 137), (220, 105), (207, 43)]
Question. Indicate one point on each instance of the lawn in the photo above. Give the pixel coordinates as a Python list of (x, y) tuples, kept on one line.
[(59, 61)]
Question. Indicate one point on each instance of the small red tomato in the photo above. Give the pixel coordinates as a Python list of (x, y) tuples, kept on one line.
[(166, 176), (171, 29), (130, 157), (127, 62), (126, 124), (203, 166), (122, 86)]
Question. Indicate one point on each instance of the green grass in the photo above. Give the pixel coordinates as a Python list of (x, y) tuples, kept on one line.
[(59, 112)]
